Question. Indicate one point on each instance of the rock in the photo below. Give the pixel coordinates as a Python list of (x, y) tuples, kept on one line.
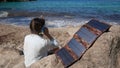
[(105, 52), (9, 58), (48, 62)]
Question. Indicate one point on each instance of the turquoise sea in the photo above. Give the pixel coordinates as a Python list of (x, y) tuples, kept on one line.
[(60, 13)]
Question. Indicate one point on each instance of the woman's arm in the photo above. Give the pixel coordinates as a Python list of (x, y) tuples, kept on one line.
[(52, 40), (46, 32)]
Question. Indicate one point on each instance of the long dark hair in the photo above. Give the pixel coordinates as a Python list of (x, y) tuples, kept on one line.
[(36, 25)]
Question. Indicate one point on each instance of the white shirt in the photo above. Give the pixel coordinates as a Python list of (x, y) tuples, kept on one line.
[(35, 48)]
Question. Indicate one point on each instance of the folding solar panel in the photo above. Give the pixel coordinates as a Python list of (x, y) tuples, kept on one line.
[(64, 55), (76, 47), (99, 25), (86, 35)]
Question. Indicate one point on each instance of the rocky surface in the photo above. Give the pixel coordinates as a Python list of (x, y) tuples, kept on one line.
[(105, 53)]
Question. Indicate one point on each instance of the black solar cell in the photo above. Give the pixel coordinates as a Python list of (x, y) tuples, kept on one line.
[(85, 34), (98, 25), (65, 56), (76, 47)]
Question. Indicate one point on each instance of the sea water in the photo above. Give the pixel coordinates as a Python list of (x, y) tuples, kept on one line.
[(60, 13)]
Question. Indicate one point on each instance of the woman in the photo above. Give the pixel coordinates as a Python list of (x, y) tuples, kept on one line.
[(35, 46)]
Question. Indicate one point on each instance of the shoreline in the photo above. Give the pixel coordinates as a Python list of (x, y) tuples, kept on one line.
[(52, 22)]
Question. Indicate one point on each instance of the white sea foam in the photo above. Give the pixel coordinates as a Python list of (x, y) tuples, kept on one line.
[(3, 14), (64, 22), (50, 22)]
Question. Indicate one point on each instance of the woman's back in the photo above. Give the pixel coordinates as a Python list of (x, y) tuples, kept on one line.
[(34, 48)]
